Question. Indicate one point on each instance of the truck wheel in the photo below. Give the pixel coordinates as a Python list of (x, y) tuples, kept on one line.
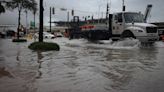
[(127, 34)]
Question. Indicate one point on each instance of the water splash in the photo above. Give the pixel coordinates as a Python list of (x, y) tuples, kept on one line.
[(106, 44), (159, 44), (122, 44)]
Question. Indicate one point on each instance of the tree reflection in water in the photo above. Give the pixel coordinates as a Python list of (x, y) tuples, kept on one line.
[(39, 61)]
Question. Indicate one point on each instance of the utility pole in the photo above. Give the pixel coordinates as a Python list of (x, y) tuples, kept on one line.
[(19, 24), (68, 16), (68, 19), (107, 10), (26, 20), (41, 21), (50, 19)]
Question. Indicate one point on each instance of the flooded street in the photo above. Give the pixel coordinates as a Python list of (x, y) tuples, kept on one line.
[(82, 66)]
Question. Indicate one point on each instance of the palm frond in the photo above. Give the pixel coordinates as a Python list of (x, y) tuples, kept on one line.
[(2, 9), (23, 4)]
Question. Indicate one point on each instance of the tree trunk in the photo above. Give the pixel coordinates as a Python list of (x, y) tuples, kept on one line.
[(34, 22), (19, 18), (41, 22)]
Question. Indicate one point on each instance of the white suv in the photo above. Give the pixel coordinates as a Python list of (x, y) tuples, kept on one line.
[(45, 35)]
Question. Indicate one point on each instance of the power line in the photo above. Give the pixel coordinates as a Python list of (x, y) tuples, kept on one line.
[(77, 10)]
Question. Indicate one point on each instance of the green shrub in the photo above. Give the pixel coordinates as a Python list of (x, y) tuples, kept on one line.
[(19, 40), (45, 46)]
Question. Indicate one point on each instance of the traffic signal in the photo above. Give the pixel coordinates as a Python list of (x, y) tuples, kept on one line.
[(72, 12), (92, 17), (53, 10), (85, 18)]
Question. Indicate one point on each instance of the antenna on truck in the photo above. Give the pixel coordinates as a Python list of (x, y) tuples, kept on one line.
[(147, 12)]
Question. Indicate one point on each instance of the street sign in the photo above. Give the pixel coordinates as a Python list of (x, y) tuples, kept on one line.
[(32, 24)]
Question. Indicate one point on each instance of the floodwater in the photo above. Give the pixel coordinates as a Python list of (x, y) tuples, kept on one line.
[(82, 66)]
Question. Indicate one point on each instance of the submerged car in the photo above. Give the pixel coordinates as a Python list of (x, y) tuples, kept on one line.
[(45, 35)]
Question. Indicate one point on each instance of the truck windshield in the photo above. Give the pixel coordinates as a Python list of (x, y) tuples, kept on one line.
[(133, 17)]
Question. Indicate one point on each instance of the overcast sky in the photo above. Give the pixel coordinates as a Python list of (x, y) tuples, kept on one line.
[(87, 8)]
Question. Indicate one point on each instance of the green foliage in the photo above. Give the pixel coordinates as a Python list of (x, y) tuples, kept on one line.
[(44, 46), (19, 40), (2, 9), (34, 6), (22, 4)]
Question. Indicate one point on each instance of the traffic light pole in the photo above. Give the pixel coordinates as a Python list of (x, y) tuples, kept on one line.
[(123, 5), (50, 19)]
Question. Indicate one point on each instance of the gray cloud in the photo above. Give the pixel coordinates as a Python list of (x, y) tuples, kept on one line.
[(88, 8)]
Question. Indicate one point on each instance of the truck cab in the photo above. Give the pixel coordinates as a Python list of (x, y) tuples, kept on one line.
[(132, 24)]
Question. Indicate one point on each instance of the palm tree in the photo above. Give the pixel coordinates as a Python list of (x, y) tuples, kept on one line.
[(21, 5), (35, 9)]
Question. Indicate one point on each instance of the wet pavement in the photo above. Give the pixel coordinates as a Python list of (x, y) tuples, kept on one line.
[(82, 66)]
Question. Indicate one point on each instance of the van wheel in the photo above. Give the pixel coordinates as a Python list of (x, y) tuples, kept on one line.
[(115, 39), (127, 34)]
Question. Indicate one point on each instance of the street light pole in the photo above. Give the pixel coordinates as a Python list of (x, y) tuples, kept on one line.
[(41, 22)]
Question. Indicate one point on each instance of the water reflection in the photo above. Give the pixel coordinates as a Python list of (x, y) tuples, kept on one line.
[(4, 72), (39, 61), (122, 65), (18, 55), (148, 59), (17, 70), (75, 68), (71, 60)]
